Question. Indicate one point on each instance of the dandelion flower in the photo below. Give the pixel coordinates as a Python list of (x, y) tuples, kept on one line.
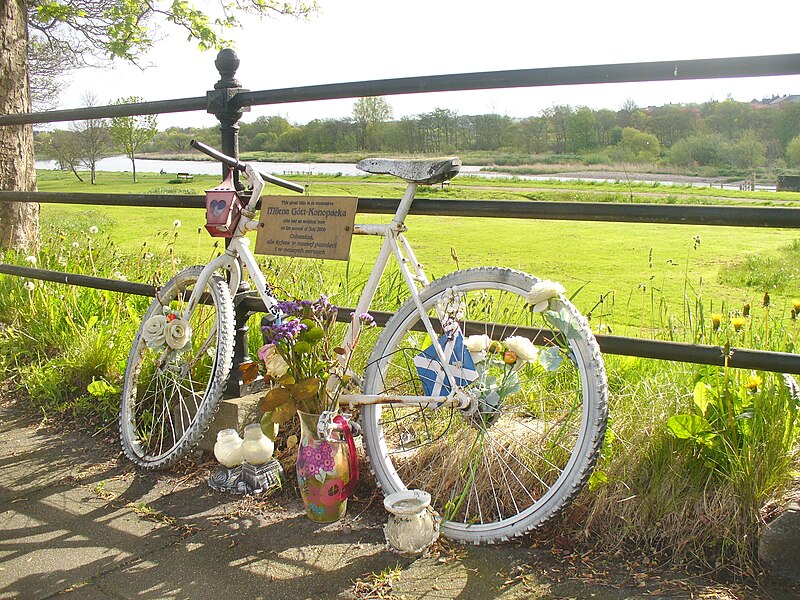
[(716, 320), (29, 285), (796, 305), (738, 322), (94, 230), (75, 245), (754, 382), (31, 259), (176, 223)]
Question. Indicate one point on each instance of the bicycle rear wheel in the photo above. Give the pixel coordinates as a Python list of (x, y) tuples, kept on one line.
[(169, 397), (536, 433)]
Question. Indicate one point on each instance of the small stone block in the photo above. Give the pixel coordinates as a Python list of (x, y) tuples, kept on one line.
[(779, 545), (233, 413)]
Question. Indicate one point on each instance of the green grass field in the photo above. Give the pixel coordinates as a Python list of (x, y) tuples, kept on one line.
[(646, 273)]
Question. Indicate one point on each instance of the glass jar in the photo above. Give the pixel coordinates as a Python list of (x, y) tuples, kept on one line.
[(228, 448)]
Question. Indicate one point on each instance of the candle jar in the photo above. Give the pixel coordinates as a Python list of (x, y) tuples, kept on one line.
[(412, 526), (228, 448), (256, 448)]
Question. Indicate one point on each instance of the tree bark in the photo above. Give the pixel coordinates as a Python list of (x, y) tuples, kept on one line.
[(19, 221)]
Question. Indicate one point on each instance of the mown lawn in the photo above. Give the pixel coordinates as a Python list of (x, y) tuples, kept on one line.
[(645, 273)]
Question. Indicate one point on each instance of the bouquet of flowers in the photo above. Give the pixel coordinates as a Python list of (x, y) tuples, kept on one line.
[(300, 356)]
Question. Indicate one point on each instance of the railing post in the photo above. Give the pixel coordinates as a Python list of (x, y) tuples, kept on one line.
[(223, 103)]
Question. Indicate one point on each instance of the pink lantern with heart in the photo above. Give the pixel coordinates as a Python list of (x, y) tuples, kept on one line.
[(223, 208)]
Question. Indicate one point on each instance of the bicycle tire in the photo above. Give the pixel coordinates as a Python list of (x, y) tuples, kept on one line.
[(529, 469), (164, 411)]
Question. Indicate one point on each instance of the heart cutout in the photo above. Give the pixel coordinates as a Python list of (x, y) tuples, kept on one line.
[(217, 207)]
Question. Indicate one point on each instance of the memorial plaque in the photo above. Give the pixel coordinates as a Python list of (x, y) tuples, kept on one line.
[(307, 226)]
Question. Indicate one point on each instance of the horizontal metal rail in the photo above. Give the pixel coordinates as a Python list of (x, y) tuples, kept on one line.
[(779, 362), (673, 70), (678, 214)]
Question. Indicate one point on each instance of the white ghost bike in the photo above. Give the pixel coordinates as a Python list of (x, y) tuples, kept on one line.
[(486, 388)]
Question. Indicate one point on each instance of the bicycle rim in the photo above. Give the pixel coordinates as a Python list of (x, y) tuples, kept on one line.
[(530, 446), (168, 400)]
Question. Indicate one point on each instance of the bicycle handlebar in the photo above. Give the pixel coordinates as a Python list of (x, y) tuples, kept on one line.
[(240, 166)]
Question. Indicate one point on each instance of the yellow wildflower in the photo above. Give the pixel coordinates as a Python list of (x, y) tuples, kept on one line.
[(738, 322), (754, 382), (716, 320), (796, 305)]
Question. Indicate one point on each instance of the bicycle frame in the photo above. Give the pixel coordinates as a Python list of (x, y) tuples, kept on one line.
[(395, 244)]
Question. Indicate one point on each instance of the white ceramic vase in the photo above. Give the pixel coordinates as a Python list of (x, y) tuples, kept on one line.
[(228, 448), (256, 448), (412, 526)]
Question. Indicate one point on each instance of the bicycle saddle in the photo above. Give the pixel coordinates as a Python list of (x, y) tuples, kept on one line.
[(428, 172)]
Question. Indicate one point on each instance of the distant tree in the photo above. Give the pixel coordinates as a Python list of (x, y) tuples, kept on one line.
[(91, 139), (532, 135), (605, 122), (293, 140), (581, 130), (748, 152), (637, 146), (793, 152), (729, 118), (671, 123), (558, 119), (131, 133), (369, 113), (492, 131), (699, 149), (63, 147)]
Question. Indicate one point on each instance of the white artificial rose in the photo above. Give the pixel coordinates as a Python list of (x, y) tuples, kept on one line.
[(542, 292), (478, 345), (276, 366), (178, 333), (523, 348), (153, 332)]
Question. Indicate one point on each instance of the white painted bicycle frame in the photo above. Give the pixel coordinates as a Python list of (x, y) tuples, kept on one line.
[(394, 244)]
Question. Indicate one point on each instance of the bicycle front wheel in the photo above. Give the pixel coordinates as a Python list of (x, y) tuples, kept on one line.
[(528, 442), (169, 397)]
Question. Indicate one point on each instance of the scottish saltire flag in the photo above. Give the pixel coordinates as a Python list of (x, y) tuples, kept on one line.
[(431, 371)]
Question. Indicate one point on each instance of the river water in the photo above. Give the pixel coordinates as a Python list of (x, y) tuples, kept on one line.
[(202, 167)]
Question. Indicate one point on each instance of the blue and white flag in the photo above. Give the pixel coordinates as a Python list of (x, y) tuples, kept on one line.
[(431, 371)]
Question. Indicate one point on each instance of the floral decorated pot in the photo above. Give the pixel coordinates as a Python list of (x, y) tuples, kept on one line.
[(327, 468)]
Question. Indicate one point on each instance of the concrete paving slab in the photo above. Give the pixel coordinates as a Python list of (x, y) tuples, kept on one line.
[(59, 537), (292, 558)]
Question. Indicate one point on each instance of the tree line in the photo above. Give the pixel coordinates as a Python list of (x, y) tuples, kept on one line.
[(727, 133)]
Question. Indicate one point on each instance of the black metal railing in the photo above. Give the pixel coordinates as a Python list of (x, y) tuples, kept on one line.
[(228, 101)]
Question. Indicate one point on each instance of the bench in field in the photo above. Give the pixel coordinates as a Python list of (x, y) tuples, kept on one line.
[(181, 177)]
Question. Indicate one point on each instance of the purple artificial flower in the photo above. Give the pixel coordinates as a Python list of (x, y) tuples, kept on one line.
[(288, 330), (366, 319)]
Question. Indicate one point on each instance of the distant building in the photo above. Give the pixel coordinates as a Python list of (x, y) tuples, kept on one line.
[(774, 101)]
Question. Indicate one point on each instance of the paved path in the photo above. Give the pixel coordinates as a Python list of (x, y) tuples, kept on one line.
[(77, 521)]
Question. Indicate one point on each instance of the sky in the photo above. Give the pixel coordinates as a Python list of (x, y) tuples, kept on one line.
[(357, 40)]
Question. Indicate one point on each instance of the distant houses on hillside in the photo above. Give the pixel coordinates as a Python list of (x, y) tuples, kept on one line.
[(774, 101)]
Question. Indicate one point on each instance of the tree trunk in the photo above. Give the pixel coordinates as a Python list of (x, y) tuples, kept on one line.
[(19, 221), (133, 164)]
